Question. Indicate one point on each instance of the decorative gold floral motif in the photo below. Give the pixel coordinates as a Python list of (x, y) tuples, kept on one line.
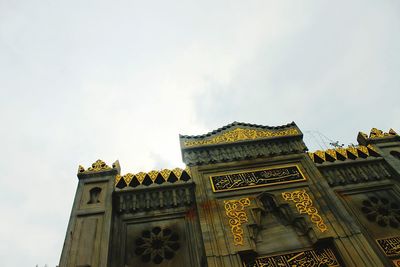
[(304, 205), (236, 213), (241, 134)]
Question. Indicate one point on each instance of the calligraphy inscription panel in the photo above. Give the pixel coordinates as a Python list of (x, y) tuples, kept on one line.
[(256, 178), (391, 246), (318, 258)]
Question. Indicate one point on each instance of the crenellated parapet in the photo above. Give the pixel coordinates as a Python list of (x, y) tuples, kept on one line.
[(152, 177), (342, 154), (377, 136)]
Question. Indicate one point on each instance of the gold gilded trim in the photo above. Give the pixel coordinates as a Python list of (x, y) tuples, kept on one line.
[(304, 204), (234, 210), (241, 134), (237, 180)]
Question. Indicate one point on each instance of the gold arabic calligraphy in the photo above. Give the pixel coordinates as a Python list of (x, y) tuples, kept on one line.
[(255, 178), (308, 258)]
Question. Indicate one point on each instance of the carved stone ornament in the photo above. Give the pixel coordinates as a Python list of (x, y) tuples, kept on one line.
[(304, 204), (235, 211), (241, 134), (381, 211), (157, 245)]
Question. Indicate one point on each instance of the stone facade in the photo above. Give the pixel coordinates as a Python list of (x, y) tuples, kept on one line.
[(251, 196)]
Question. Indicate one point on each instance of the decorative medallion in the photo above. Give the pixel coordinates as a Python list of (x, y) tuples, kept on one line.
[(256, 178), (304, 204), (236, 213), (390, 246), (310, 258), (241, 134), (157, 245), (381, 211)]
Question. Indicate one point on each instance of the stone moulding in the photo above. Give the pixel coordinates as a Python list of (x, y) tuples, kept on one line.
[(241, 151), (305, 205), (235, 211), (156, 198), (356, 172)]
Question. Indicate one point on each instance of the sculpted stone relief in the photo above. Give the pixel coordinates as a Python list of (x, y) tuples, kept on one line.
[(382, 211), (157, 245)]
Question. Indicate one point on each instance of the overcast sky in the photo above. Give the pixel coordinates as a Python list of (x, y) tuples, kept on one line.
[(82, 80)]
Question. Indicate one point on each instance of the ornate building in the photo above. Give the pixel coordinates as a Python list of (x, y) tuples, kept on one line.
[(250, 196)]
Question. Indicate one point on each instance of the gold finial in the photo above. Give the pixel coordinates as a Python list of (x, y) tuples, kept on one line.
[(81, 169)]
